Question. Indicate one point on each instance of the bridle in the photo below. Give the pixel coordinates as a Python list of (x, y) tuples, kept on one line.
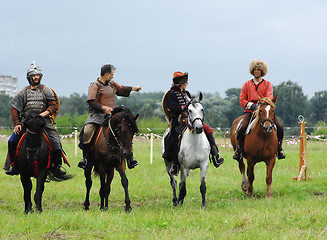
[(266, 119), (116, 133), (190, 125)]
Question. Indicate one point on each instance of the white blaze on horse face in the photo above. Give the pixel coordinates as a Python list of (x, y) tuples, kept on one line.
[(267, 111)]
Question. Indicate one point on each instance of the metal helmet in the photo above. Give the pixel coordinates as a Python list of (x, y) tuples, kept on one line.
[(33, 70)]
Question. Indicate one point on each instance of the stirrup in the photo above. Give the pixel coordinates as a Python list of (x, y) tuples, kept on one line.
[(237, 155), (82, 164), (132, 163), (281, 154), (12, 171), (217, 160)]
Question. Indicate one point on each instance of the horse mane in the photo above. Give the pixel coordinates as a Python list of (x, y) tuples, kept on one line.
[(264, 100)]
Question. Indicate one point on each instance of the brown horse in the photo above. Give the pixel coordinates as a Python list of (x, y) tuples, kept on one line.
[(260, 143), (113, 145)]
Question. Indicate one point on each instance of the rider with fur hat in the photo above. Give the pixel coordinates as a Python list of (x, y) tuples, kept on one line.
[(248, 100), (175, 101), (40, 99)]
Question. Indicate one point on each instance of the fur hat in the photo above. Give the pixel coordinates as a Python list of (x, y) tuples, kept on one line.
[(180, 78), (259, 64)]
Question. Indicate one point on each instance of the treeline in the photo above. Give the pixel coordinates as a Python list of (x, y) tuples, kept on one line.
[(219, 112)]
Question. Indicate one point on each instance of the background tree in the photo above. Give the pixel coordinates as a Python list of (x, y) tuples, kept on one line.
[(318, 107), (291, 103)]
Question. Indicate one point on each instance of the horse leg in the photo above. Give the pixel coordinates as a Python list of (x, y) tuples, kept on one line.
[(182, 185), (250, 173), (39, 190), (124, 182), (27, 186), (244, 184), (270, 165), (102, 191), (203, 187), (173, 183), (88, 185), (110, 176)]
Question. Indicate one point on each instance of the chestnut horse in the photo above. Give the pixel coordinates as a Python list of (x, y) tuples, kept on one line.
[(112, 146), (260, 143)]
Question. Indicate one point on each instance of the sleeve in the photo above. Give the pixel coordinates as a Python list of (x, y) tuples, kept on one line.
[(173, 104), (93, 91), (51, 100), (95, 105), (15, 116), (270, 91), (244, 96), (52, 106), (124, 91)]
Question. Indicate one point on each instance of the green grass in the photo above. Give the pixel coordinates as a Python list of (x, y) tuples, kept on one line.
[(297, 209)]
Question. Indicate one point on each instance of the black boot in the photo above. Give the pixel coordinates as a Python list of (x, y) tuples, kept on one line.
[(57, 161), (217, 160), (86, 152), (131, 162), (12, 168), (238, 154), (280, 151)]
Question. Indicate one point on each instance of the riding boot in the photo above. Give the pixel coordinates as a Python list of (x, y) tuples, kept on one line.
[(86, 153), (12, 168), (217, 160), (131, 162), (57, 161), (239, 150), (280, 151)]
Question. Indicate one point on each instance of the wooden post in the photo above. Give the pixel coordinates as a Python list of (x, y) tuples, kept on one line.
[(151, 148), (225, 139), (302, 131), (76, 144)]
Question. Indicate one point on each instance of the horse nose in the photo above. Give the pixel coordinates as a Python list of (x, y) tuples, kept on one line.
[(198, 130), (268, 129)]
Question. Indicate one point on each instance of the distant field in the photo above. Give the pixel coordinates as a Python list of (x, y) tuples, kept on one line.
[(296, 211)]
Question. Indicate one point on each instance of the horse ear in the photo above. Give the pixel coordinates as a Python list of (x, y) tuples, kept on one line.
[(200, 96), (136, 116), (274, 100)]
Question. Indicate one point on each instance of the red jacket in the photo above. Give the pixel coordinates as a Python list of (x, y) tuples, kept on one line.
[(250, 92)]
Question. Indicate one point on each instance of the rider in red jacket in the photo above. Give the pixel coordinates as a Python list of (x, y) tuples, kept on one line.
[(248, 100)]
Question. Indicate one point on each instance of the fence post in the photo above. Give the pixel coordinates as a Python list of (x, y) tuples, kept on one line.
[(75, 135), (303, 153), (151, 148)]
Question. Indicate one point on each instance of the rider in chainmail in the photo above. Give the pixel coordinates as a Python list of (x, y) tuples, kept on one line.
[(40, 99)]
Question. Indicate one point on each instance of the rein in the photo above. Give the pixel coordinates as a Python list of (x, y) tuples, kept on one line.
[(119, 142)]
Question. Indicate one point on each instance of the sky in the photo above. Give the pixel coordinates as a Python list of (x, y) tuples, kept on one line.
[(148, 40)]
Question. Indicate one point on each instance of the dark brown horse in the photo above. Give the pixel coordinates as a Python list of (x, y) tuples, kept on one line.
[(33, 160), (113, 145), (259, 145)]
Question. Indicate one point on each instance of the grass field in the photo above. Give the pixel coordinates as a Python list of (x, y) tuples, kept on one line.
[(297, 209)]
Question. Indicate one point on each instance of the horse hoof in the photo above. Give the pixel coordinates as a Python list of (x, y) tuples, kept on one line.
[(268, 195), (203, 206)]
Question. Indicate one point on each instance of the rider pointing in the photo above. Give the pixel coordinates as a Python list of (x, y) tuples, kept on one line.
[(101, 100), (248, 100)]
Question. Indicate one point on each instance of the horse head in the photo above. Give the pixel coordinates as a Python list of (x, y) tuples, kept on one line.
[(123, 129), (266, 113), (195, 114), (34, 124)]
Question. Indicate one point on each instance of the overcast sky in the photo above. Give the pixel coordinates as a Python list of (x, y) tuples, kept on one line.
[(148, 40)]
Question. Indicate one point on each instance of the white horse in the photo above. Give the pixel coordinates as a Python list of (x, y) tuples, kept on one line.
[(193, 153)]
